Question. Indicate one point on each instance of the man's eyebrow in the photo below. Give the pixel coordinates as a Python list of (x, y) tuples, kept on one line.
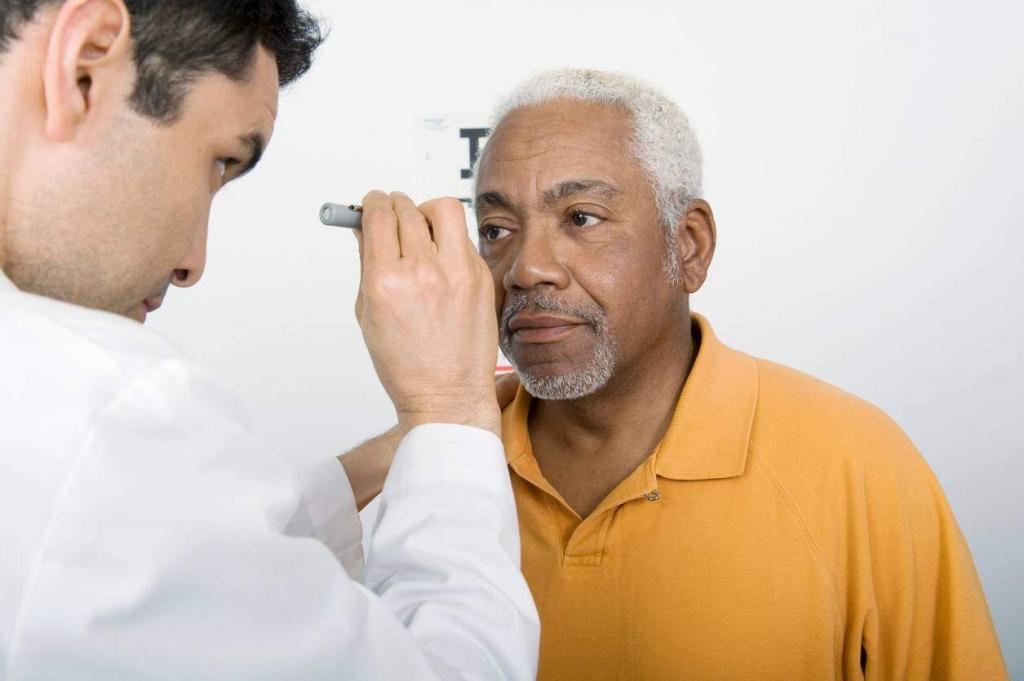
[(256, 144), (568, 188), (492, 200), (554, 194)]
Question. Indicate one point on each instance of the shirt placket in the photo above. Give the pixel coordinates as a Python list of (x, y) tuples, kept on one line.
[(588, 537)]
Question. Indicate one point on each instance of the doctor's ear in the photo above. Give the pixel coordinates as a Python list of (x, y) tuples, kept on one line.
[(89, 66)]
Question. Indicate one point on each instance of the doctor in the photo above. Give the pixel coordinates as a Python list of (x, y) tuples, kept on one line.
[(145, 533)]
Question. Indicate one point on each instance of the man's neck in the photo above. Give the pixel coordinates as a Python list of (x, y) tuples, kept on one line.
[(586, 447)]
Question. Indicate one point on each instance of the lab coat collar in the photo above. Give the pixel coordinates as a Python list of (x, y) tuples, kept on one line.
[(5, 283)]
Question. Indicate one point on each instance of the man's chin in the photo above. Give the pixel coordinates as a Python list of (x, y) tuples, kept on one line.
[(563, 386), (561, 372), (546, 370), (565, 381)]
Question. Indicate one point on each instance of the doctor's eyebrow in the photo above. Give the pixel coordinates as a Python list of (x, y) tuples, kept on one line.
[(256, 143)]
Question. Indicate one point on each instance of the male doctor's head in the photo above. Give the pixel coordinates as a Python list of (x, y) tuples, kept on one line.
[(590, 218), (121, 119)]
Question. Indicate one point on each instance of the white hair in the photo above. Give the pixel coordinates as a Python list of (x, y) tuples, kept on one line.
[(663, 142)]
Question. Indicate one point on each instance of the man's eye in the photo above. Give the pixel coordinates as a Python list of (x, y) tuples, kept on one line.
[(493, 232), (581, 219)]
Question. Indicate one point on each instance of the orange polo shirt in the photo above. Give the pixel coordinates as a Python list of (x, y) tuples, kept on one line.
[(782, 530)]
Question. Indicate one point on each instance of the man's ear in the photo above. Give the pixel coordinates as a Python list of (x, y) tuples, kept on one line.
[(696, 237), (88, 58)]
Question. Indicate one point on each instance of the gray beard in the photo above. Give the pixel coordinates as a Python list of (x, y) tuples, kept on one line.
[(574, 384)]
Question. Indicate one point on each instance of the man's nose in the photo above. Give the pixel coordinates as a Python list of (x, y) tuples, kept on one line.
[(190, 270), (537, 264)]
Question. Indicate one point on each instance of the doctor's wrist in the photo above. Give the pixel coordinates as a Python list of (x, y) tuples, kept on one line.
[(483, 414)]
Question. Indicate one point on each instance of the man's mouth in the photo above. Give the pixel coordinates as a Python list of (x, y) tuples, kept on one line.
[(542, 328)]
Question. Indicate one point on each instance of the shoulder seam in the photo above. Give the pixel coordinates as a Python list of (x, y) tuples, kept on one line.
[(819, 558)]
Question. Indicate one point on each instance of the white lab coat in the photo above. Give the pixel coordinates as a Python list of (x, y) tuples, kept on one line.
[(145, 533)]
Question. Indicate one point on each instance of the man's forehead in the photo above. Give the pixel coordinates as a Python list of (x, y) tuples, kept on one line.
[(562, 125), (542, 147)]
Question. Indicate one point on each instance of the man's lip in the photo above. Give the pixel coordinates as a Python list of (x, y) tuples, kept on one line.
[(541, 321)]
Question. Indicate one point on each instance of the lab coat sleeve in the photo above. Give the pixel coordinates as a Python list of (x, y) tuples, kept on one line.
[(328, 512), (168, 556), (477, 551)]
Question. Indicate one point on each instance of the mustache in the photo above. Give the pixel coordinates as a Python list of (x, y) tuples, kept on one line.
[(520, 301)]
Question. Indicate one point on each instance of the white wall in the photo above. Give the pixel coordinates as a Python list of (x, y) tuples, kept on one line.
[(863, 160)]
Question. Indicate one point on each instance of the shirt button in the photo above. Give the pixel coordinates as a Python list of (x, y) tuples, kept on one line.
[(653, 495)]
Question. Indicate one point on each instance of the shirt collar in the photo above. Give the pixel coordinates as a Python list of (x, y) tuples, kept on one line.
[(709, 434)]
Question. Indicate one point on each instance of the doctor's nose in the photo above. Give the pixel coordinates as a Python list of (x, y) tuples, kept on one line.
[(190, 270)]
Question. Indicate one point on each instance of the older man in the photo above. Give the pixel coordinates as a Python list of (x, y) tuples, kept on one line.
[(689, 511)]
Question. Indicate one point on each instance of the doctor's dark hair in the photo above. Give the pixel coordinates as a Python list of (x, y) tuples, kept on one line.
[(177, 41)]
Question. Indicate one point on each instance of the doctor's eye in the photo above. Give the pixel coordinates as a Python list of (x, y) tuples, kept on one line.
[(581, 219), (493, 233), (223, 165)]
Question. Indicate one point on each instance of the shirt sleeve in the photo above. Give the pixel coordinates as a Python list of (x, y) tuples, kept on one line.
[(927, 619), (174, 551)]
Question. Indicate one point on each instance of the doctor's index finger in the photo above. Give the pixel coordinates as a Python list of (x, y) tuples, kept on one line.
[(413, 229), (447, 217), (380, 229)]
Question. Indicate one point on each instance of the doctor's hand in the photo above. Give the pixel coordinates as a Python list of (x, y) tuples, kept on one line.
[(426, 309)]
